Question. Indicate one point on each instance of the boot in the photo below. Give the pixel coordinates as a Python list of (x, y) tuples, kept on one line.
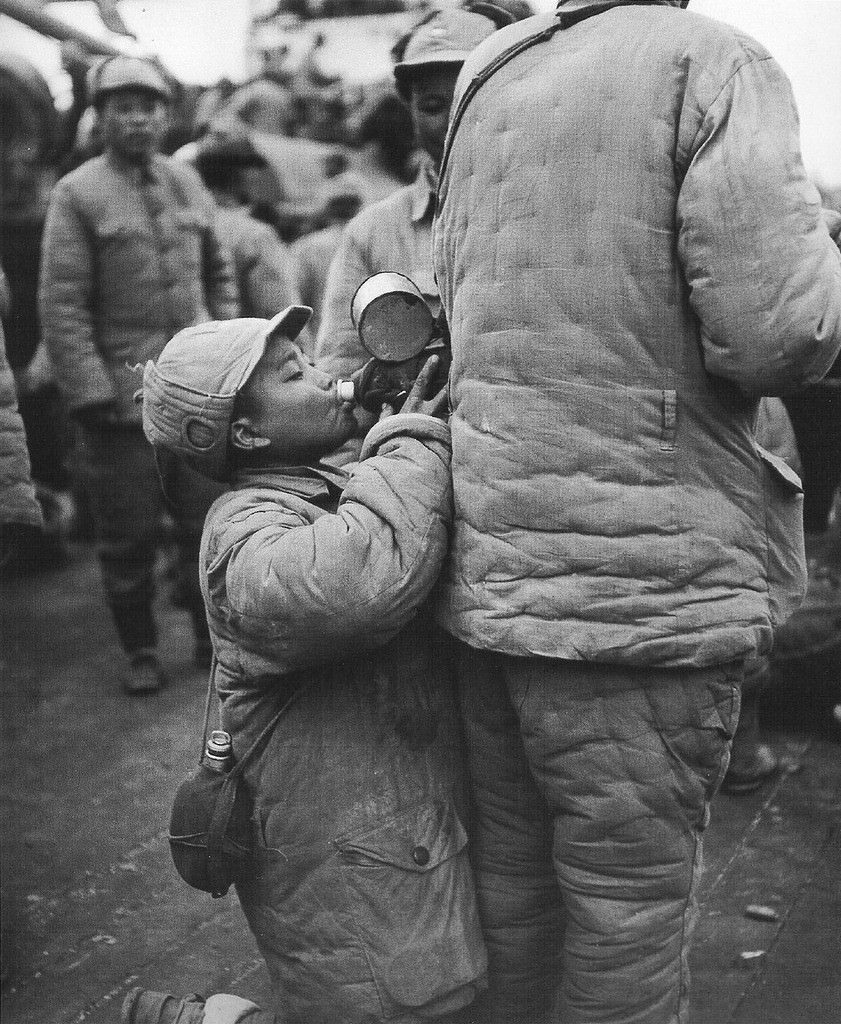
[(752, 762), (145, 674), (749, 774), (144, 1007)]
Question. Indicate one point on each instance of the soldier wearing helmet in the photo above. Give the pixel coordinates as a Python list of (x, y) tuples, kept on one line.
[(118, 74), (623, 541), (394, 234), (130, 255)]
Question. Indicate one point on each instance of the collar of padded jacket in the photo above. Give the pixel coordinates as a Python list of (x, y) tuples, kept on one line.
[(572, 11), (318, 483), (585, 5)]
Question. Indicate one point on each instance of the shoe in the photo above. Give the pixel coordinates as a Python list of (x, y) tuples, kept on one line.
[(145, 674), (143, 1007), (748, 773)]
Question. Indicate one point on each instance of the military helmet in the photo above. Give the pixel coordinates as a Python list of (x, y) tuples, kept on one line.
[(447, 37)]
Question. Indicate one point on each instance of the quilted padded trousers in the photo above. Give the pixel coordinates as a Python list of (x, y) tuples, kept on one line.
[(591, 787), (117, 469)]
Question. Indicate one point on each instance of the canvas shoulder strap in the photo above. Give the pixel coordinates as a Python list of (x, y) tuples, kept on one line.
[(485, 74), (563, 20), (217, 831)]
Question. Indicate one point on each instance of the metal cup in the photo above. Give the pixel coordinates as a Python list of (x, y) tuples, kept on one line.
[(391, 317)]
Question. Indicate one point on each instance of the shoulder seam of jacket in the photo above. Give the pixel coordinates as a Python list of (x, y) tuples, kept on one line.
[(756, 59)]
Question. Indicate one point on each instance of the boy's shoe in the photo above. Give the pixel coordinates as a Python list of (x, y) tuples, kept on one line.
[(144, 1007), (145, 674), (747, 773)]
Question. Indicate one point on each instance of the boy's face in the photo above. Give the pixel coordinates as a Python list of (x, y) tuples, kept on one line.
[(293, 406)]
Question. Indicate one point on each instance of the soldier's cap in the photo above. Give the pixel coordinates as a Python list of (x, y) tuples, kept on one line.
[(113, 74), (189, 393), (447, 37)]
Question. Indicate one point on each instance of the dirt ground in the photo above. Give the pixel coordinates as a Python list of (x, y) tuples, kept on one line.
[(92, 905)]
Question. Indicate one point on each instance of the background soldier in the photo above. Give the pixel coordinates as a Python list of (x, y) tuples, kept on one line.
[(130, 256)]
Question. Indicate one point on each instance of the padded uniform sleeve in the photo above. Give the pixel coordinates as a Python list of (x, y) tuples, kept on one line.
[(304, 594), (65, 297), (763, 273)]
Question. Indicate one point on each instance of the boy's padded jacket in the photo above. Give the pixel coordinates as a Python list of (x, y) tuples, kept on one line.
[(360, 894), (288, 586), (629, 253)]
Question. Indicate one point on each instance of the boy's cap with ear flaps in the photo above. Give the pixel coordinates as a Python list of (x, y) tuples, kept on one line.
[(189, 394)]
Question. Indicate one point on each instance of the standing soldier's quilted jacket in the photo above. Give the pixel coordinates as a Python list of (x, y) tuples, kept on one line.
[(126, 265), (610, 341)]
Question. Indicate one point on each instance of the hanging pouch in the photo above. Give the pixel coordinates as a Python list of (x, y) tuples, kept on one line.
[(210, 829), (210, 835)]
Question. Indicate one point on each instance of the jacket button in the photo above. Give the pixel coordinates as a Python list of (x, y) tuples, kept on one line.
[(420, 855)]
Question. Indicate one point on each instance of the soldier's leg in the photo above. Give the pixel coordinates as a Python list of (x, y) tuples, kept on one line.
[(628, 760), (189, 497), (511, 849), (120, 480)]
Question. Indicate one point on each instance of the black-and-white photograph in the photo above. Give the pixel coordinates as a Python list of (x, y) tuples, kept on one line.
[(420, 511)]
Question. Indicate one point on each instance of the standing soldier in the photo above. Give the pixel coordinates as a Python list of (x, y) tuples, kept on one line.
[(629, 254), (395, 234), (129, 257)]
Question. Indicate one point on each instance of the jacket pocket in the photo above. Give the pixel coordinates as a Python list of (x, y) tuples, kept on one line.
[(786, 556), (584, 481), (411, 899), (780, 471)]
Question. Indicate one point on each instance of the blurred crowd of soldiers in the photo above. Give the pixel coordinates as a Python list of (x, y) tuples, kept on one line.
[(289, 158)]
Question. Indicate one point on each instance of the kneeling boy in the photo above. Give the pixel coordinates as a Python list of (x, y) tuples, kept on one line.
[(361, 897)]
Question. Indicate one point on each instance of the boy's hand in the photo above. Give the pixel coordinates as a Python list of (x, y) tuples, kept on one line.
[(415, 401)]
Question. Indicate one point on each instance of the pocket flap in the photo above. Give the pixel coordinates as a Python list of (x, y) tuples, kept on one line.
[(416, 840), (781, 469)]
